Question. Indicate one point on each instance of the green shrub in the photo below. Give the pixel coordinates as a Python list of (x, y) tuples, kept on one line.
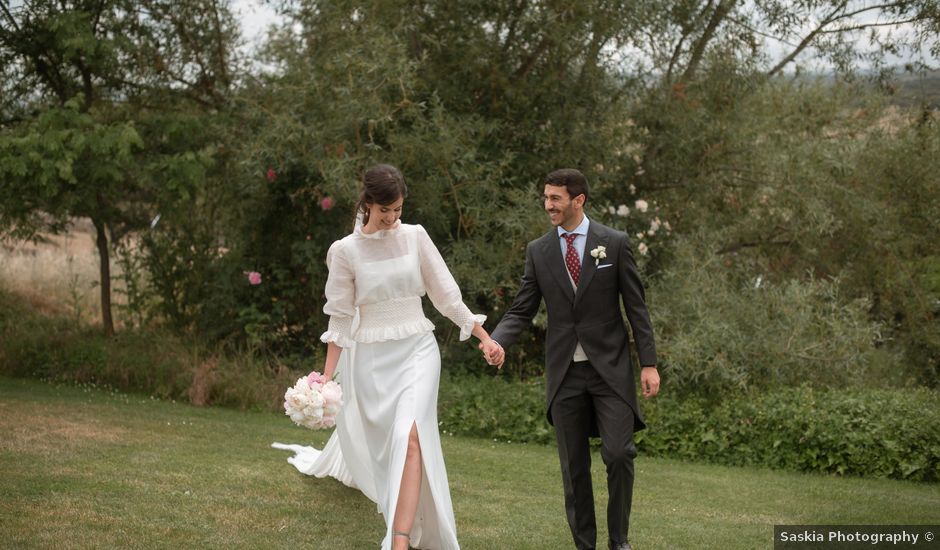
[(157, 362), (494, 407), (797, 179), (872, 433), (725, 327)]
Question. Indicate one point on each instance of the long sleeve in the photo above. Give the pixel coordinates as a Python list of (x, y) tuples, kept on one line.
[(524, 307), (634, 303), (442, 288), (340, 297)]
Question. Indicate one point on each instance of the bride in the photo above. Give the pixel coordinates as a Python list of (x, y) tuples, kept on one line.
[(380, 345)]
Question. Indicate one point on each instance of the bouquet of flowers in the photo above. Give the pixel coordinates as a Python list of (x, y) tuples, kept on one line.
[(313, 402)]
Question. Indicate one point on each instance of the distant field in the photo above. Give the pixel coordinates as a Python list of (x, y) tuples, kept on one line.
[(59, 274), (917, 90), (82, 467)]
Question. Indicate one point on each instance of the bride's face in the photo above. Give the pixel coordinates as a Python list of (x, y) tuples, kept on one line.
[(384, 216)]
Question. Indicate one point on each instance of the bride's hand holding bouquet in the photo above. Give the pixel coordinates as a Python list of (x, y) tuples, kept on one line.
[(313, 402)]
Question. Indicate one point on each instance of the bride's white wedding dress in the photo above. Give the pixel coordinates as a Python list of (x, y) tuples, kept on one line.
[(389, 371)]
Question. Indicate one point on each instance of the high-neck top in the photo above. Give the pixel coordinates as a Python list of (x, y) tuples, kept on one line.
[(376, 282)]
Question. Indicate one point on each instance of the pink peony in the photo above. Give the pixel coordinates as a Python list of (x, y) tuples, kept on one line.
[(332, 394), (254, 277), (271, 175), (315, 378), (326, 203)]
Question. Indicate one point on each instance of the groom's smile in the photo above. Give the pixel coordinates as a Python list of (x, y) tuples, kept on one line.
[(561, 208)]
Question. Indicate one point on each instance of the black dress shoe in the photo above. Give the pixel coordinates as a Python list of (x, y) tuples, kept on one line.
[(621, 546)]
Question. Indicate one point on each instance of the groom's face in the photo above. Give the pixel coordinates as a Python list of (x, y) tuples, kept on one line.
[(562, 209)]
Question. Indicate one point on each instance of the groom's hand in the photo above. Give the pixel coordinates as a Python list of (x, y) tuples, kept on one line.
[(649, 381)]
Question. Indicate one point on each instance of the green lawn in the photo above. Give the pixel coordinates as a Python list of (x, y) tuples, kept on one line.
[(85, 467)]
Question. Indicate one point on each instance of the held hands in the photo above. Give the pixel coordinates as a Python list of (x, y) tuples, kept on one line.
[(493, 352)]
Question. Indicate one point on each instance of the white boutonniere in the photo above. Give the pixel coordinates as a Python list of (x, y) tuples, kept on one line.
[(599, 254)]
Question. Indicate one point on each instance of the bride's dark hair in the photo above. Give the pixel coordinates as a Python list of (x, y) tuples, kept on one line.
[(381, 184)]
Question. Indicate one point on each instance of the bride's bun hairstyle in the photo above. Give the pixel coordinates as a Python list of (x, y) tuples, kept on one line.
[(381, 184)]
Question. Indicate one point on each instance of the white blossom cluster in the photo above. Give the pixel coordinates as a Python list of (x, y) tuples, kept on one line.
[(641, 206)]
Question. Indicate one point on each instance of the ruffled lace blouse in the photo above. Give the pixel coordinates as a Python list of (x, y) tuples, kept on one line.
[(375, 285)]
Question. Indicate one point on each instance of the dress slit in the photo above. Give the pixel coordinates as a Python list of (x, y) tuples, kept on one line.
[(428, 512), (393, 387), (393, 504)]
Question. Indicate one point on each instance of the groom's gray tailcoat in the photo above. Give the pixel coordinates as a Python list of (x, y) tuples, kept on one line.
[(591, 316)]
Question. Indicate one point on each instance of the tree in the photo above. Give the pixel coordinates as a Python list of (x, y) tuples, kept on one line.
[(734, 39), (84, 85), (475, 101)]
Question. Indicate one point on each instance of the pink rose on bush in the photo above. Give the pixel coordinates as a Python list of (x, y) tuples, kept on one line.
[(271, 175), (254, 278), (326, 203)]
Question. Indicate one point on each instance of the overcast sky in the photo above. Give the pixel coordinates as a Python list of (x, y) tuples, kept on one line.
[(256, 17)]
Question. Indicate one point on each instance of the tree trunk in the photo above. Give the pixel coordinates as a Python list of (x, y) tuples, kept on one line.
[(102, 241)]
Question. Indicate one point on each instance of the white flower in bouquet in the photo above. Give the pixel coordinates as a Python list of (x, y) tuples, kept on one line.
[(314, 405), (296, 399), (313, 413), (332, 396)]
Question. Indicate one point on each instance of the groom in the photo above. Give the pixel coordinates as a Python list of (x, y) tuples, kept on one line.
[(583, 270)]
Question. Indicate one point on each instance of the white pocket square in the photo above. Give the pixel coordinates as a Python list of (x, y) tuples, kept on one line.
[(603, 266)]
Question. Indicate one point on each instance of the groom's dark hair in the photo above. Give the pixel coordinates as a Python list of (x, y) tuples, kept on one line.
[(569, 178)]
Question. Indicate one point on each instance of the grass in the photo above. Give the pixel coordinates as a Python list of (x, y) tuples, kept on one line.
[(84, 467)]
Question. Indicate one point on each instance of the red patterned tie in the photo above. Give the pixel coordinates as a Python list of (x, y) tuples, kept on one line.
[(571, 258)]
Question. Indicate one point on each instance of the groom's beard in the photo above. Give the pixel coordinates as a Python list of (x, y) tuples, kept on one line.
[(559, 217)]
